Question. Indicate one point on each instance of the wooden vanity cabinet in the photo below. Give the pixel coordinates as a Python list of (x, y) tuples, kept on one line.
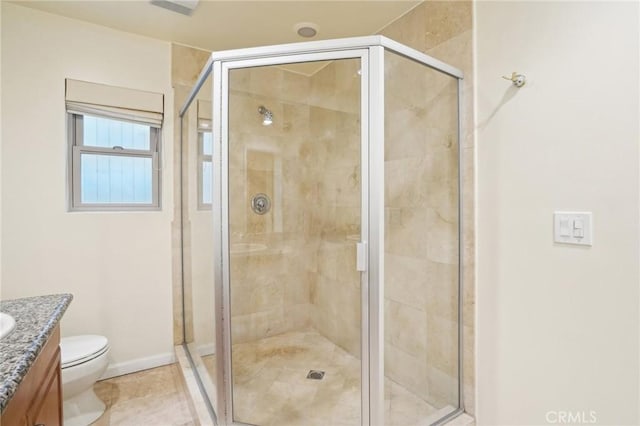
[(38, 399)]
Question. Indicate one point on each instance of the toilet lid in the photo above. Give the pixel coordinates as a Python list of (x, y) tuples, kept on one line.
[(77, 349)]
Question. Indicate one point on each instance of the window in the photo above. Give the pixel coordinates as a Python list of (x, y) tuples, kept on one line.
[(114, 164), (205, 169), (205, 155), (114, 147)]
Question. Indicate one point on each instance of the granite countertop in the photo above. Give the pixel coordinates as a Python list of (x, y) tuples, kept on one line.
[(36, 318)]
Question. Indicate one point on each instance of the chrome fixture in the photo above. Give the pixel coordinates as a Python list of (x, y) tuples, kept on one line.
[(518, 80), (261, 204), (315, 375), (267, 116)]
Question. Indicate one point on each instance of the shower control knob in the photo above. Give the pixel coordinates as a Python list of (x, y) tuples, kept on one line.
[(260, 204)]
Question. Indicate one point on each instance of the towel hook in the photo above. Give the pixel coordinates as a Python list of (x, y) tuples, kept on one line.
[(518, 80)]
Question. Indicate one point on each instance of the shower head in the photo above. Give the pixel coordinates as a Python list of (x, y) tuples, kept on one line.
[(267, 116)]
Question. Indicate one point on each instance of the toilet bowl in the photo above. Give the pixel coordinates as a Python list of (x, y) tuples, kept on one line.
[(84, 361)]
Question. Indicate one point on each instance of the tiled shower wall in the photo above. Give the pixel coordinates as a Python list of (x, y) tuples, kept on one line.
[(335, 130), (270, 287), (421, 230), (443, 29), (308, 163)]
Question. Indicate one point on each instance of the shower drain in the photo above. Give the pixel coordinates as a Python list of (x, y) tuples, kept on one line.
[(315, 375)]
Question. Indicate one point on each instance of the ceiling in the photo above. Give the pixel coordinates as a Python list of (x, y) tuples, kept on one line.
[(220, 25)]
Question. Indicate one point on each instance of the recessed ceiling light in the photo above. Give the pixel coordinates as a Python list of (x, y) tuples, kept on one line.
[(306, 29)]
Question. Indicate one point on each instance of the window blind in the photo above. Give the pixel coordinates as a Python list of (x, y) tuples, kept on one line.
[(120, 103)]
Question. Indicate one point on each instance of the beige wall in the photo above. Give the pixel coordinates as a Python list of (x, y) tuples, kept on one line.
[(557, 325), (117, 265)]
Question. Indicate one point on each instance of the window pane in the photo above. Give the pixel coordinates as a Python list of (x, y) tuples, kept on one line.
[(207, 143), (116, 179), (207, 168), (106, 132)]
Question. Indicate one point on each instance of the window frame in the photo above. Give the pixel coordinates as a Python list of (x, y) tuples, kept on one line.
[(77, 148), (202, 158)]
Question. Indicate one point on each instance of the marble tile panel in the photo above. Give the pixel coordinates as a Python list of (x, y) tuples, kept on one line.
[(441, 238), (240, 79), (323, 92), (442, 352), (405, 408), (407, 370), (445, 20), (295, 88), (406, 82), (406, 280), (149, 397), (298, 316), (266, 81), (469, 361), (457, 52), (443, 388), (406, 328), (442, 290), (296, 119), (186, 64), (406, 231), (270, 385), (405, 185), (403, 137), (409, 29)]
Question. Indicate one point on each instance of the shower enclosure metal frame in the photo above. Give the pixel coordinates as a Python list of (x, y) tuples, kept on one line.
[(370, 50)]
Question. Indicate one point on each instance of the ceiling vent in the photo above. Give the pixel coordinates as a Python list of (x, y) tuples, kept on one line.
[(185, 7)]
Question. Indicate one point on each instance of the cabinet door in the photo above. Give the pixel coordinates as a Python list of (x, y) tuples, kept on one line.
[(47, 410)]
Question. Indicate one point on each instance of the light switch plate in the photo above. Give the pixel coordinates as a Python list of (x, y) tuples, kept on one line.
[(573, 228)]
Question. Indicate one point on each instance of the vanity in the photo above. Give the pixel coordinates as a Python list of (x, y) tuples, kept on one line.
[(30, 374)]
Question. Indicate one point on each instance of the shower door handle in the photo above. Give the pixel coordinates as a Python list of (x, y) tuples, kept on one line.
[(361, 257)]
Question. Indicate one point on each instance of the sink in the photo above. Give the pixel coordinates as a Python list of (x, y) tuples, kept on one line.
[(247, 247), (7, 324)]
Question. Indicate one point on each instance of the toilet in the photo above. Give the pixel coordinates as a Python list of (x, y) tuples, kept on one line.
[(84, 361)]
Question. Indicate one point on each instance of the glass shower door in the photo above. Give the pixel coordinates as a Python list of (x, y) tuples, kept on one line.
[(422, 243), (295, 204)]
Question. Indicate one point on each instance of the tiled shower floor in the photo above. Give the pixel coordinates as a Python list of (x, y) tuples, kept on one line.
[(271, 388)]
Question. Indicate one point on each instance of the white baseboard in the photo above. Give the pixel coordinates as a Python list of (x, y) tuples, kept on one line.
[(128, 367)]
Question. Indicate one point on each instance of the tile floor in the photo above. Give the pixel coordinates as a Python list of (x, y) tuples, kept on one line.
[(152, 397), (271, 388)]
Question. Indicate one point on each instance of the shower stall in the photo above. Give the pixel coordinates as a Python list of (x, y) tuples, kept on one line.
[(321, 210)]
